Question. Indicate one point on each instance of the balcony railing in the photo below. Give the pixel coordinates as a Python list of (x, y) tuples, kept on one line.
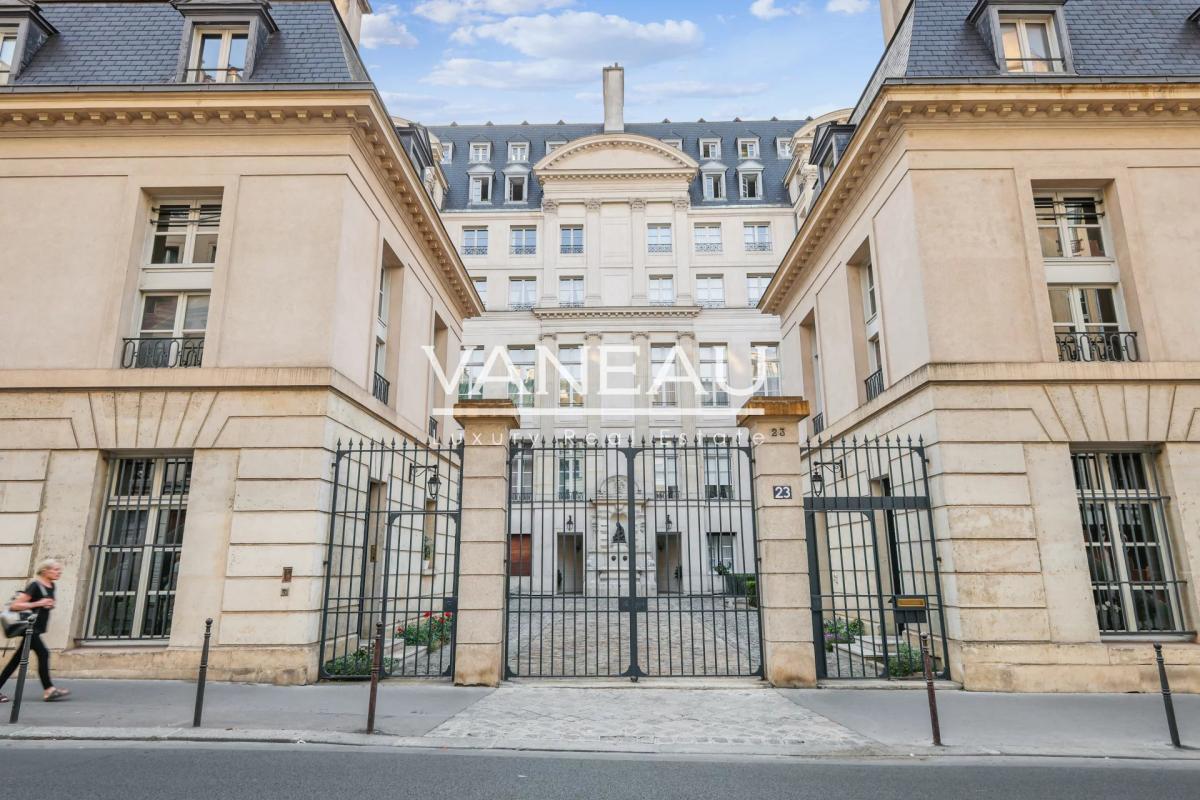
[(521, 305), (663, 303), (523, 250), (658, 249), (222, 75), (711, 303), (874, 384), (570, 303), (158, 353), (818, 423), (571, 249), (433, 427), (475, 250), (380, 388), (1098, 346), (758, 247), (708, 247)]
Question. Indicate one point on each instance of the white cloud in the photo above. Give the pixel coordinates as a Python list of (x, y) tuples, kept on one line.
[(585, 36), (766, 9), (384, 28), (848, 6), (474, 72), (447, 11)]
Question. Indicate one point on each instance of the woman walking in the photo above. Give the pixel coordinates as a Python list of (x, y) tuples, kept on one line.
[(38, 596)]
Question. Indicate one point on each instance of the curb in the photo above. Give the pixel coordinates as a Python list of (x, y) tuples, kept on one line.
[(816, 750)]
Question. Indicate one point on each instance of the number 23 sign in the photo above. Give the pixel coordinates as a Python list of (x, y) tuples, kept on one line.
[(782, 492)]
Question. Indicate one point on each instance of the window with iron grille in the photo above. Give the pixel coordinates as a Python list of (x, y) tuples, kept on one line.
[(522, 241), (184, 233), (764, 366), (571, 240), (8, 49), (468, 386), (571, 358), (714, 374), (522, 293), (521, 479), (707, 237), (718, 473), (1030, 43), (710, 291), (1126, 537), (570, 291), (523, 394), (663, 367), (475, 241), (658, 238), (481, 288), (722, 550), (756, 236), (218, 55), (666, 470), (662, 290), (570, 478), (136, 563), (756, 287)]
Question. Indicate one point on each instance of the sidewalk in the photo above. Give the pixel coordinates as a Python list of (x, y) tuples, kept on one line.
[(735, 718)]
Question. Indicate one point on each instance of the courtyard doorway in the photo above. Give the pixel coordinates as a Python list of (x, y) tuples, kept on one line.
[(632, 560)]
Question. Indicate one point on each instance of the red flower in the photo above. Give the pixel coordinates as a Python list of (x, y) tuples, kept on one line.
[(428, 614), (448, 615), (399, 631)]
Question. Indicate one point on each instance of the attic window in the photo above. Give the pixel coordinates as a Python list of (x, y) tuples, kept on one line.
[(1030, 43), (447, 152), (8, 49), (218, 54), (783, 147), (552, 146), (481, 153), (676, 143), (710, 148), (747, 148), (518, 151)]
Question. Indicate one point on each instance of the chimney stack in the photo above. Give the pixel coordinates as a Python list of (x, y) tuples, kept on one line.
[(352, 13), (614, 99)]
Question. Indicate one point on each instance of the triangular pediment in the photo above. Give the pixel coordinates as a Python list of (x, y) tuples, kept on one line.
[(615, 155)]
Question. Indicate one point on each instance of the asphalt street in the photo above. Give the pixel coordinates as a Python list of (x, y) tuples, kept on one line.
[(109, 771)]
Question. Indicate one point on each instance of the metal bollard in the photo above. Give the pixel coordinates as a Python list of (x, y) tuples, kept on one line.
[(1168, 703), (933, 712), (26, 640), (203, 677), (376, 668)]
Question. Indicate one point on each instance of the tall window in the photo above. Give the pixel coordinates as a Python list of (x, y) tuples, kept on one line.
[(714, 186), (522, 241), (1087, 324), (1125, 535), (757, 237), (481, 152), (516, 188), (747, 148), (468, 388), (522, 293), (751, 184), (718, 473), (756, 286), (783, 147), (570, 291), (447, 152), (137, 561), (518, 151), (571, 359), (662, 366), (707, 237), (481, 286), (662, 290), (380, 385), (218, 55), (522, 393), (521, 479), (475, 241), (666, 471), (185, 232), (1030, 43), (1070, 225), (570, 478), (658, 237), (8, 48), (481, 189), (710, 291), (710, 148), (722, 549), (870, 302), (571, 240), (171, 331), (764, 362), (714, 374)]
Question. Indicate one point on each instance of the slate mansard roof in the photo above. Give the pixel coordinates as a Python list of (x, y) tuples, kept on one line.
[(139, 43), (1109, 40), (461, 137)]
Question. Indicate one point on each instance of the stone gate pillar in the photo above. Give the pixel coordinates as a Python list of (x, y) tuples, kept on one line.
[(479, 643), (784, 596)]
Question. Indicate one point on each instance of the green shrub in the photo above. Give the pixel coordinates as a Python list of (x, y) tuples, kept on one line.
[(431, 631), (904, 661), (356, 663)]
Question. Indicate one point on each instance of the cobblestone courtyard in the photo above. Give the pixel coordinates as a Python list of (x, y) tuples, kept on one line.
[(576, 636), (647, 716)]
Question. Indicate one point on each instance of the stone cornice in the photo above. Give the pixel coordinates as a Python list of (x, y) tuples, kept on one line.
[(618, 312), (361, 112), (555, 166), (899, 107)]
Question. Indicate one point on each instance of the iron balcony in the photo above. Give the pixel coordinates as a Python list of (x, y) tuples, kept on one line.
[(658, 248), (475, 250), (150, 352), (758, 247), (1097, 346), (523, 250), (708, 247), (874, 384), (571, 250), (380, 387), (818, 423)]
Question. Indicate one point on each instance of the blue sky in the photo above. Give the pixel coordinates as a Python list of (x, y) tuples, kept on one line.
[(472, 61)]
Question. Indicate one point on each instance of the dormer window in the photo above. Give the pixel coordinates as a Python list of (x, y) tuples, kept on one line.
[(447, 152), (481, 152), (751, 185), (714, 186), (710, 148), (516, 188), (518, 151), (1030, 43), (8, 49), (218, 55), (747, 148), (552, 146), (783, 147), (676, 143)]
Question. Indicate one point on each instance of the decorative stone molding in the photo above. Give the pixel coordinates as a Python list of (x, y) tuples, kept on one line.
[(896, 108), (682, 203), (618, 312), (593, 205), (556, 165), (638, 204), (549, 206)]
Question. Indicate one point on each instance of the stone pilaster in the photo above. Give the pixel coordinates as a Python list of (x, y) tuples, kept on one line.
[(688, 398), (784, 591), (591, 364), (479, 646), (683, 252), (638, 241), (592, 234), (550, 253), (641, 401)]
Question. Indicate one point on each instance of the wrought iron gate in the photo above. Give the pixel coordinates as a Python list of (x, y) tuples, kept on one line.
[(873, 564), (632, 560), (392, 557)]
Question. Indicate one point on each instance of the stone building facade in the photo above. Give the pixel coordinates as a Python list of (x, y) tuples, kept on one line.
[(218, 261), (1000, 259)]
